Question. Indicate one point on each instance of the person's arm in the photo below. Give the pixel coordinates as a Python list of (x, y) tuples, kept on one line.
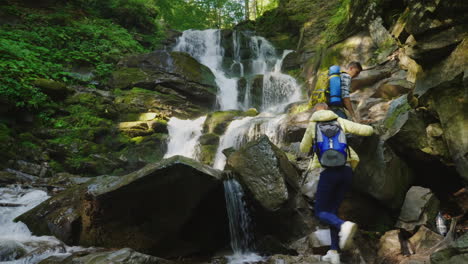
[(308, 138), (356, 128), (345, 88), (349, 106)]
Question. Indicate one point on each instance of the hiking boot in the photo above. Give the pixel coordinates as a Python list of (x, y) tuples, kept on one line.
[(347, 232), (332, 256)]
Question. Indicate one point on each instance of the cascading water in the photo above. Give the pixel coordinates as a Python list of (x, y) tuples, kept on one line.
[(251, 58), (16, 237), (242, 242), (205, 46), (279, 89), (183, 137)]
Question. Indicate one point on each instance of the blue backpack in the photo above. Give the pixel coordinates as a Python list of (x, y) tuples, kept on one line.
[(334, 80), (330, 144)]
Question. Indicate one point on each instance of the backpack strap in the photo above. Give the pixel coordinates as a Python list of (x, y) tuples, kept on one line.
[(342, 131)]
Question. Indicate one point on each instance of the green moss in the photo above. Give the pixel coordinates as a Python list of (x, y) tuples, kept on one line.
[(217, 122), (397, 108), (4, 133), (125, 78), (296, 109), (339, 17), (208, 153), (251, 112), (137, 140), (193, 70), (209, 139), (29, 145), (56, 166)]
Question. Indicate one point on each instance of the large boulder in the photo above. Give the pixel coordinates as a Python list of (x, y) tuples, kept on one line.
[(169, 73), (171, 208), (443, 88), (420, 208), (264, 170), (296, 125), (381, 173), (271, 185)]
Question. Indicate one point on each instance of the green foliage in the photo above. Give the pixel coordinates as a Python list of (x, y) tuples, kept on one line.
[(49, 45), (201, 14), (337, 22)]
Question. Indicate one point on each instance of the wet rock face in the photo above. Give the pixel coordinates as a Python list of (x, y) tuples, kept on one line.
[(271, 185), (171, 208), (264, 170), (444, 89), (124, 256), (175, 76), (381, 173), (456, 252)]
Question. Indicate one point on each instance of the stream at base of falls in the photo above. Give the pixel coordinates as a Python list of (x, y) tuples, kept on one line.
[(16, 241)]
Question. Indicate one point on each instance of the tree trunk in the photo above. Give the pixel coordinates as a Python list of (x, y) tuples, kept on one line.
[(247, 11)]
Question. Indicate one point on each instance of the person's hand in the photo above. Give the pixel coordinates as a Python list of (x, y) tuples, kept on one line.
[(366, 121)]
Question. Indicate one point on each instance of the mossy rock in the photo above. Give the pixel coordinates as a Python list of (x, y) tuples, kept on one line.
[(138, 100), (56, 90), (169, 73), (191, 69), (209, 139), (397, 108), (217, 122), (208, 154), (126, 77), (251, 112)]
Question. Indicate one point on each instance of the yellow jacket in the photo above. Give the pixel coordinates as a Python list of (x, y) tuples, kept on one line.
[(346, 125)]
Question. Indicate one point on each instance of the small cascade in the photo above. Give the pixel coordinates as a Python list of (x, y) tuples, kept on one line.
[(240, 225), (279, 89), (236, 56), (239, 218), (183, 137), (264, 55), (247, 129), (16, 201), (205, 46)]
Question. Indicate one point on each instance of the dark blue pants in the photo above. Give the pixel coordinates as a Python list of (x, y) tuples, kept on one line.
[(331, 189)]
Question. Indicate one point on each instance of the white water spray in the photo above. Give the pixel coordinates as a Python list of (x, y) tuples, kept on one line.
[(16, 201), (183, 137)]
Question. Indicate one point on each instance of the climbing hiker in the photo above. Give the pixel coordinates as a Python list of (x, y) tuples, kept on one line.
[(325, 135), (336, 103), (334, 88)]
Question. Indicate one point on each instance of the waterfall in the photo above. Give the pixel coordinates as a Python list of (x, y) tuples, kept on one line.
[(239, 218), (264, 55), (16, 201), (251, 56), (183, 137), (240, 225), (205, 46)]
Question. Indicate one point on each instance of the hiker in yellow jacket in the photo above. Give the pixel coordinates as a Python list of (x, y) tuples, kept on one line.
[(334, 182)]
